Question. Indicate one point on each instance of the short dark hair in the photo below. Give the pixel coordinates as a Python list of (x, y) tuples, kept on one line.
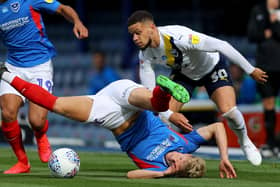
[(140, 16)]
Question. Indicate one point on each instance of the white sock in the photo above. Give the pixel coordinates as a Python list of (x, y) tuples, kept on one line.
[(8, 77), (237, 124)]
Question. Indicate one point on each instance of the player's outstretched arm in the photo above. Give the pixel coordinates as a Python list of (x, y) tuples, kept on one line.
[(217, 131), (144, 174), (148, 174), (71, 15)]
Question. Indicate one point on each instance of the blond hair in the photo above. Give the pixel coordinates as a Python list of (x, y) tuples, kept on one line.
[(194, 167)]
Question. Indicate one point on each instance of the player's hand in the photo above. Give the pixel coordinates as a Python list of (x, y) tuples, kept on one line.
[(227, 170), (181, 121), (259, 75), (80, 30)]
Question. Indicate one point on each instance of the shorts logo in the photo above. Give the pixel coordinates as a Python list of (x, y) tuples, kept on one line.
[(98, 122), (15, 6), (49, 1)]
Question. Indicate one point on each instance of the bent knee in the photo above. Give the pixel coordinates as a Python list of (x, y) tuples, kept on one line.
[(9, 114), (228, 110)]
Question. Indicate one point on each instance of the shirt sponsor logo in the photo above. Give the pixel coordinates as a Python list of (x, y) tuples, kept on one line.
[(14, 23), (15, 6), (158, 150)]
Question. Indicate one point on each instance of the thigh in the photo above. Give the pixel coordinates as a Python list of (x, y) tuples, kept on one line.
[(225, 98), (271, 87), (10, 104), (218, 77), (120, 92), (41, 75), (76, 107), (266, 90), (6, 88)]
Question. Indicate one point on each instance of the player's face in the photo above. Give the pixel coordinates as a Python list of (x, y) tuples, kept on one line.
[(273, 4), (178, 159), (141, 34), (181, 159)]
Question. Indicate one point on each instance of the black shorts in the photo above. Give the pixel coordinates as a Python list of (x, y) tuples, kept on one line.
[(217, 78), (271, 87)]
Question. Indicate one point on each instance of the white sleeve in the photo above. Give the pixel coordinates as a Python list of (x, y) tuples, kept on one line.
[(147, 74), (211, 44)]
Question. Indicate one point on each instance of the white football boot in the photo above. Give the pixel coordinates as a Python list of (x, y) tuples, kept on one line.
[(251, 152)]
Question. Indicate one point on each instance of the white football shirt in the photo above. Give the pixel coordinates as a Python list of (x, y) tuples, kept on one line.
[(196, 53)]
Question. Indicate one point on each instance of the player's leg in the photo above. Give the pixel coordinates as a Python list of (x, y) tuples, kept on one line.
[(270, 123), (38, 120), (187, 83), (10, 104), (218, 84), (268, 93), (41, 75), (224, 97), (176, 90), (134, 96), (77, 107), (160, 97)]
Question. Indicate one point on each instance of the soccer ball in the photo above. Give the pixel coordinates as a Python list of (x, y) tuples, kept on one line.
[(64, 163)]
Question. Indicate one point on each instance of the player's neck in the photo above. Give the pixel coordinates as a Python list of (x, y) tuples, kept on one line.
[(156, 39), (271, 6)]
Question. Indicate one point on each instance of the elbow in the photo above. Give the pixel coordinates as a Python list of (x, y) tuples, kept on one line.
[(222, 45), (130, 175)]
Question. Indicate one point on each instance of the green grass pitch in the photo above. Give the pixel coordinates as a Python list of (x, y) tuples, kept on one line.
[(109, 169)]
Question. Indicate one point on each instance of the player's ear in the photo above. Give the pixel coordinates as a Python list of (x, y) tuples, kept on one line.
[(153, 26)]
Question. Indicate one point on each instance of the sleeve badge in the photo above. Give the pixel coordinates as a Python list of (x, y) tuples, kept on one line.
[(49, 1)]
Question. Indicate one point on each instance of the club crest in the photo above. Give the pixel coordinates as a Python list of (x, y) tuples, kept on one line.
[(15, 6)]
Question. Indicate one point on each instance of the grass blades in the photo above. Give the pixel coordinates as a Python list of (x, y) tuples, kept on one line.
[(109, 170)]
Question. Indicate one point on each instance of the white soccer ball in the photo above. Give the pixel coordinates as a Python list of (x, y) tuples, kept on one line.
[(64, 162)]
